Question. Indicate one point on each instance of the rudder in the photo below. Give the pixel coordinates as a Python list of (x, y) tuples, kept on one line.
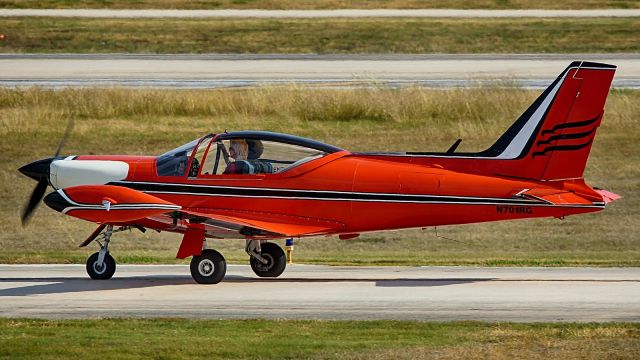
[(568, 144)]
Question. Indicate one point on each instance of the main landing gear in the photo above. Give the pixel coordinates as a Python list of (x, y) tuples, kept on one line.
[(208, 268), (266, 259)]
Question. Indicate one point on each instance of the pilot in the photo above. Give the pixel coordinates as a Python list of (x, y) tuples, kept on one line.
[(245, 155), (181, 167), (238, 151)]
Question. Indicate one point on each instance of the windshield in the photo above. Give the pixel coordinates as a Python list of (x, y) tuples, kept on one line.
[(174, 162)]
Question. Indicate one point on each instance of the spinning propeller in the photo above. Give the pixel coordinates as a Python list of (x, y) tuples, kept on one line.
[(39, 171)]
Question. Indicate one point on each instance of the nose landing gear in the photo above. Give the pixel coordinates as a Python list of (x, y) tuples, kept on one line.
[(101, 270), (101, 265)]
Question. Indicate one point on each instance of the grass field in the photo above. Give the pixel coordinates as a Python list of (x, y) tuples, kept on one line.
[(322, 36), (320, 4), (125, 121), (263, 339)]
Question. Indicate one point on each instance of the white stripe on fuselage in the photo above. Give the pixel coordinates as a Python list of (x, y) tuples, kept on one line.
[(138, 206)]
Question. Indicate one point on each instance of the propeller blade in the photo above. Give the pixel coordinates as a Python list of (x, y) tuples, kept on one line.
[(34, 201), (67, 132), (39, 170)]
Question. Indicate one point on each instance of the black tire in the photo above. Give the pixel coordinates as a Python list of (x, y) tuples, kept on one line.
[(208, 268), (105, 272), (277, 261)]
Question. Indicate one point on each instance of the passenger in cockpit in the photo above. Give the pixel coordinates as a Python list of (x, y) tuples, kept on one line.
[(256, 148)]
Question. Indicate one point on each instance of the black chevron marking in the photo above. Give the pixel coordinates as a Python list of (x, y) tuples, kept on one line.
[(571, 125), (560, 148), (566, 137)]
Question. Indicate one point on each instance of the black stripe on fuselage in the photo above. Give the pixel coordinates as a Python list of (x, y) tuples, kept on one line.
[(296, 194)]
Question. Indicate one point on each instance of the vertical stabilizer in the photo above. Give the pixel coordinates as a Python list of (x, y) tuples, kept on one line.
[(553, 137)]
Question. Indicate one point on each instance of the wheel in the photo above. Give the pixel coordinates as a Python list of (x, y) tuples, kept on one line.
[(208, 268), (103, 272), (276, 261)]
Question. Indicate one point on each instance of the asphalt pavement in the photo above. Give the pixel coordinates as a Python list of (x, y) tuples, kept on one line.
[(326, 292), (237, 70)]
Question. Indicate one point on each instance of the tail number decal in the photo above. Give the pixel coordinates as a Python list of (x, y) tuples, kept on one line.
[(505, 209)]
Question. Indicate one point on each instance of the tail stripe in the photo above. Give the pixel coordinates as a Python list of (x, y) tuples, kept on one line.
[(561, 148), (572, 125), (566, 137)]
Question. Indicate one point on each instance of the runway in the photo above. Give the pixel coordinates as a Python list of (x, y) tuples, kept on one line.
[(316, 14), (217, 71), (324, 292)]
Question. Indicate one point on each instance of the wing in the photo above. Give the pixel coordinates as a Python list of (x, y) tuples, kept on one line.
[(109, 204), (229, 223)]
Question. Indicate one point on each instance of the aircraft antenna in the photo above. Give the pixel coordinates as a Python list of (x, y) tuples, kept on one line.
[(435, 228)]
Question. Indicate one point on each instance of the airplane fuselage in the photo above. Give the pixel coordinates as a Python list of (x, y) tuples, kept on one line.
[(350, 193)]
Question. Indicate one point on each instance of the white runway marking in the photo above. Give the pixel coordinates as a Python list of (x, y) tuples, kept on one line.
[(323, 292)]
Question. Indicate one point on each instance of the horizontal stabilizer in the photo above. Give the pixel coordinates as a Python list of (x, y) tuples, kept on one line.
[(555, 196), (608, 196)]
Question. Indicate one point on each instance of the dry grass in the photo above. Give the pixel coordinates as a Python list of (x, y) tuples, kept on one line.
[(321, 4), (505, 341), (126, 121), (320, 36)]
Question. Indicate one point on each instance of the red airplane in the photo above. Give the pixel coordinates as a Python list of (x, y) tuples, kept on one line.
[(261, 186)]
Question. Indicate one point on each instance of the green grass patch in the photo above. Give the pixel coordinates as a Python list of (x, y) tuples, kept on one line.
[(143, 121), (320, 36), (319, 4), (273, 339)]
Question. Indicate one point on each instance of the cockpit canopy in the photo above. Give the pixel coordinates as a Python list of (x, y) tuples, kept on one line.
[(244, 152)]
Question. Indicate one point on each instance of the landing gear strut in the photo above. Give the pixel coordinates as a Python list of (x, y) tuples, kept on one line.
[(101, 265), (266, 259)]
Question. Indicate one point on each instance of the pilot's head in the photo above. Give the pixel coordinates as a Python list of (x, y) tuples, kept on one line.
[(255, 149), (238, 149), (182, 166)]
